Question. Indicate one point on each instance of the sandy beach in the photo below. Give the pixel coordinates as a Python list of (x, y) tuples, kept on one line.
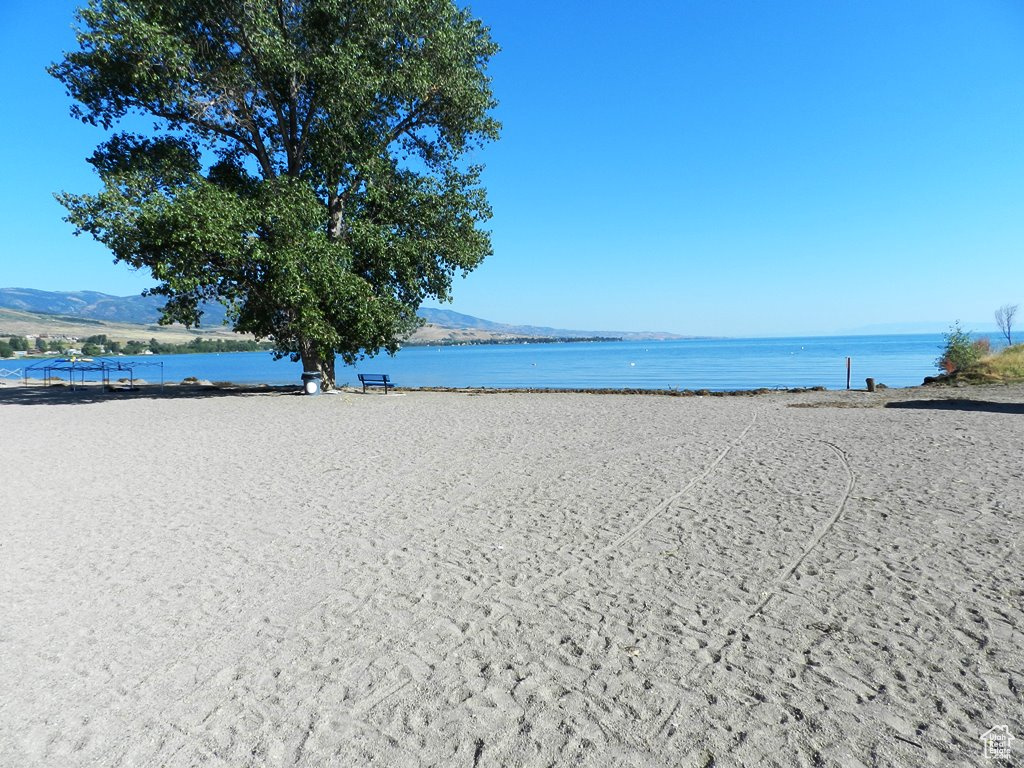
[(458, 579)]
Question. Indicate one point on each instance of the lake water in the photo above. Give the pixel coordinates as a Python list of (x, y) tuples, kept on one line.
[(715, 364)]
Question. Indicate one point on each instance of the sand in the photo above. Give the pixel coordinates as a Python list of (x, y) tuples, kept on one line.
[(517, 579)]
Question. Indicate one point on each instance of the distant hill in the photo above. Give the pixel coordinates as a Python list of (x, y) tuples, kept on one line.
[(442, 324), (16, 322), (139, 310), (445, 318)]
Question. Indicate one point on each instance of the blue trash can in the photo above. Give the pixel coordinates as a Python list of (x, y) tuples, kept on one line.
[(311, 382)]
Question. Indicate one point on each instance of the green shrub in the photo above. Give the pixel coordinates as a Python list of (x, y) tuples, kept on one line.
[(959, 351)]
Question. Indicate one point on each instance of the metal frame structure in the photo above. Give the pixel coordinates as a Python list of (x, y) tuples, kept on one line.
[(80, 366)]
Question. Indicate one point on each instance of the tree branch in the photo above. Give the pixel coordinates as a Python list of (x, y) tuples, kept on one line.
[(258, 148), (410, 120), (281, 127), (300, 152), (293, 126), (403, 125)]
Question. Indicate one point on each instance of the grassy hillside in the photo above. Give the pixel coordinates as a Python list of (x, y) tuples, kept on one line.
[(1004, 366), (131, 312), (18, 323), (15, 322)]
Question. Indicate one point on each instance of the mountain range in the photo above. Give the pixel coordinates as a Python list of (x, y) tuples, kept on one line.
[(441, 324), (92, 305)]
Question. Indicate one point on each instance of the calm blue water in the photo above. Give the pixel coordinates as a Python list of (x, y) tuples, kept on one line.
[(720, 364)]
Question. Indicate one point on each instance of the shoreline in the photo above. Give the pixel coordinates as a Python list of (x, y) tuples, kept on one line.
[(713, 365), (148, 387)]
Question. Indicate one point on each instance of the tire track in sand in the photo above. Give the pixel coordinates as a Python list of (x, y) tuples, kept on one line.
[(658, 511), (851, 481), (738, 618), (667, 504)]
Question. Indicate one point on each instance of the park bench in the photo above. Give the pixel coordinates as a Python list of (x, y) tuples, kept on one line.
[(375, 380)]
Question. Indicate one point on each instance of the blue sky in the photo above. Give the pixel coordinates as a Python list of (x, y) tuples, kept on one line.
[(722, 168)]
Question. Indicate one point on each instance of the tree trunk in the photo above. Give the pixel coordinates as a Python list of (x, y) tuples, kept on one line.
[(312, 360), (335, 217), (335, 230)]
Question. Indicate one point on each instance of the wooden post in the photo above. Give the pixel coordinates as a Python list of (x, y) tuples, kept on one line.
[(847, 373), (871, 385)]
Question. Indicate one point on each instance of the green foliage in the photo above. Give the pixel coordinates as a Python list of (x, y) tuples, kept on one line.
[(91, 350), (135, 347), (198, 345), (6, 350), (18, 343), (41, 345), (338, 197), (959, 352), (1005, 366)]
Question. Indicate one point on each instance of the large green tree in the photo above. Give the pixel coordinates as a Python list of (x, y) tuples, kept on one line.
[(308, 164)]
